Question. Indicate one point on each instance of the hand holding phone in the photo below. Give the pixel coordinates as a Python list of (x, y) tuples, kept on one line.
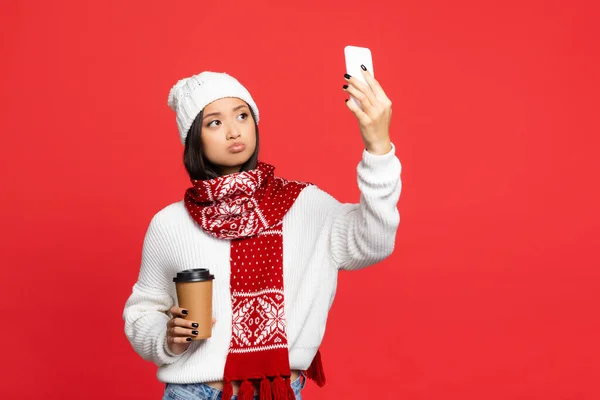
[(374, 110), (355, 57)]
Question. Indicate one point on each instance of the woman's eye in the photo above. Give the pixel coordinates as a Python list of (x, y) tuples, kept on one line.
[(243, 116), (216, 122)]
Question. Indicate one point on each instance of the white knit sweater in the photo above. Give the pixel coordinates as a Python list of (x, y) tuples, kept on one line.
[(321, 236)]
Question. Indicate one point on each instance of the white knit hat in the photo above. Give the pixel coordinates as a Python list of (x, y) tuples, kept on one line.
[(190, 95)]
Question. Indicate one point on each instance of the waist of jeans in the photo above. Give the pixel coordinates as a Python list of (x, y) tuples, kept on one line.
[(297, 385)]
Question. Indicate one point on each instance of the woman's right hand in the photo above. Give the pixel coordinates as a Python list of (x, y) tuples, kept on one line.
[(180, 331)]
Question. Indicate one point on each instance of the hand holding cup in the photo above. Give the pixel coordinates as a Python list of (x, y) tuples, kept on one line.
[(192, 320), (180, 331)]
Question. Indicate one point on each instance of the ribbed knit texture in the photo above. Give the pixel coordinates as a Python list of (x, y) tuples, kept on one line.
[(321, 236)]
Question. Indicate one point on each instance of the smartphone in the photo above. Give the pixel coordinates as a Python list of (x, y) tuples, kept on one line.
[(355, 57)]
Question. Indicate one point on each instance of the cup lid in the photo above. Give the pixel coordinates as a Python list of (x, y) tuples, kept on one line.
[(193, 275)]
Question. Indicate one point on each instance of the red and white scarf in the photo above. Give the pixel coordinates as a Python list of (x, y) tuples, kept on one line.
[(248, 208)]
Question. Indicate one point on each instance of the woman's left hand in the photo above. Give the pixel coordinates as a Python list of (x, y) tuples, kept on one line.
[(376, 114)]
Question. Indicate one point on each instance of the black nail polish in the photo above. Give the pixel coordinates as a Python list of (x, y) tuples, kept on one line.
[(345, 87), (194, 325), (363, 67), (184, 312), (188, 339), (347, 76), (194, 332)]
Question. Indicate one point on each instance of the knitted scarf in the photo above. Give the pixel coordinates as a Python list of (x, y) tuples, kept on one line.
[(248, 208)]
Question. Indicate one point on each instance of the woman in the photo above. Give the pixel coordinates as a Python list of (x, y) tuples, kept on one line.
[(275, 247)]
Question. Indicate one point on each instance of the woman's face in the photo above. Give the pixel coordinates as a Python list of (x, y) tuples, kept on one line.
[(228, 134)]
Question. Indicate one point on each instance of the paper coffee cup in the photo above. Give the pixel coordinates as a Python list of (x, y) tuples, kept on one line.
[(194, 293)]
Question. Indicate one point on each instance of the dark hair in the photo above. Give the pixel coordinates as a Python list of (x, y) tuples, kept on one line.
[(196, 163)]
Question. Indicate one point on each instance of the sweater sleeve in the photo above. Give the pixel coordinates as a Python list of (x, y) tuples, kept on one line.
[(145, 312), (364, 234)]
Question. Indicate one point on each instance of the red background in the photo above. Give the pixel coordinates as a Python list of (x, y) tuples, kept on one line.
[(492, 292)]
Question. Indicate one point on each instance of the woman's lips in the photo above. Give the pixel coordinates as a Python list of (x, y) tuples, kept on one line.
[(237, 147)]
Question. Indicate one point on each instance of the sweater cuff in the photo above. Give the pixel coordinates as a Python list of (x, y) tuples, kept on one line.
[(379, 170), (372, 159)]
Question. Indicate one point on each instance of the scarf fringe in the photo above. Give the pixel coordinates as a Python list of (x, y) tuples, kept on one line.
[(265, 389), (246, 391), (279, 389), (227, 390), (315, 371), (290, 391)]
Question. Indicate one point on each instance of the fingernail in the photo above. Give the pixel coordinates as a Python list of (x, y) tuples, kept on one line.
[(194, 332), (347, 76), (363, 67), (194, 325), (184, 311), (345, 87), (188, 339)]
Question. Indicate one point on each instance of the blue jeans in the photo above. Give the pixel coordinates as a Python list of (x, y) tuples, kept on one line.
[(201, 391)]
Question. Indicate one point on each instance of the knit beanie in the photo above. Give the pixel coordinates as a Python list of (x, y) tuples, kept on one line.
[(190, 95)]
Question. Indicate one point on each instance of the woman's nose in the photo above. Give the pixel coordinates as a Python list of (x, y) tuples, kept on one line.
[(233, 133)]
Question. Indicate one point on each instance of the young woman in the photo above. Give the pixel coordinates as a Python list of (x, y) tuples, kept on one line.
[(275, 247)]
